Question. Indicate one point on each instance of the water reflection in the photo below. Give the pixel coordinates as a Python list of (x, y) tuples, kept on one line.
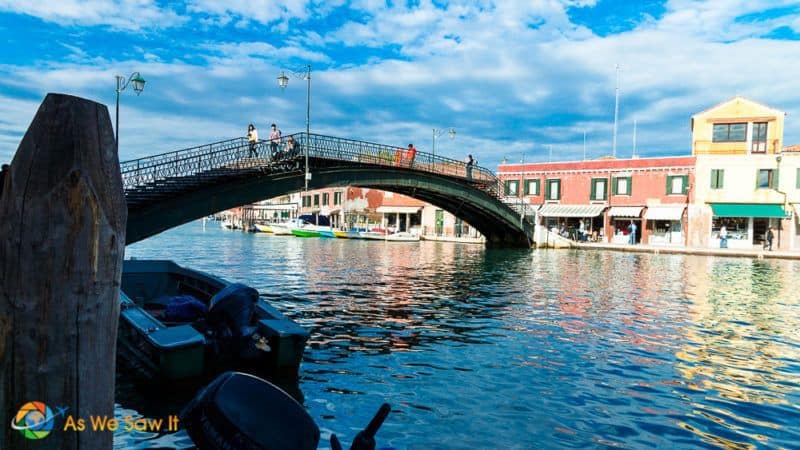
[(479, 348)]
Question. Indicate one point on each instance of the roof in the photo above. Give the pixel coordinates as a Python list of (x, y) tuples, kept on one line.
[(732, 99), (791, 148), (601, 164)]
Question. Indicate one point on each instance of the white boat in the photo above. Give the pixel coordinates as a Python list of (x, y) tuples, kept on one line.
[(403, 236), (228, 224), (285, 228)]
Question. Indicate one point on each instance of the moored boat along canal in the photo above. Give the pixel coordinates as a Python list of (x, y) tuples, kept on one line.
[(484, 348)]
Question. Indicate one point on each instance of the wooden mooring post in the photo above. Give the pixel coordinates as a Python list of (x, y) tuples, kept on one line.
[(62, 235)]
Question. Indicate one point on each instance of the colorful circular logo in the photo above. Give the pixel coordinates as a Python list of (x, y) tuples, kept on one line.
[(34, 420)]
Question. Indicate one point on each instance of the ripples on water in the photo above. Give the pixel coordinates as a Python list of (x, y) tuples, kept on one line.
[(479, 348)]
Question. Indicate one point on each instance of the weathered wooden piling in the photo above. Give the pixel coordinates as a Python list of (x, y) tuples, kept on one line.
[(62, 235)]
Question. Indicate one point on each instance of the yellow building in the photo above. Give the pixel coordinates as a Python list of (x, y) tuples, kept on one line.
[(738, 126), (743, 183)]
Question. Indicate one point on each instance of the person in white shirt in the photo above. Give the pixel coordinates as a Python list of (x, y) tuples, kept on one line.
[(274, 138)]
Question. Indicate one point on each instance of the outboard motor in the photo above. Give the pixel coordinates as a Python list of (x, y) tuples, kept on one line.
[(230, 317), (241, 411)]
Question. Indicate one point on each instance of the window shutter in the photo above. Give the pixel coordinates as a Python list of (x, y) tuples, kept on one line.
[(685, 184), (614, 186), (630, 185), (714, 179), (536, 185), (527, 188), (797, 182), (775, 183), (547, 189), (592, 194), (558, 186)]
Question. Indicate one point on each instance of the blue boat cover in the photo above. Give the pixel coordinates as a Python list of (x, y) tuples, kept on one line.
[(184, 308), (312, 219)]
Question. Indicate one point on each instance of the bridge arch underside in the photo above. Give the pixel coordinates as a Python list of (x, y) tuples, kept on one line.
[(499, 224)]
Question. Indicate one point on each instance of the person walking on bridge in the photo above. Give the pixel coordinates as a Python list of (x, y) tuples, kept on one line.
[(274, 138), (252, 138), (410, 154), (470, 162)]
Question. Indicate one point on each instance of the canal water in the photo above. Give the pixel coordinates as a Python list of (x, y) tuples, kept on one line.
[(483, 348)]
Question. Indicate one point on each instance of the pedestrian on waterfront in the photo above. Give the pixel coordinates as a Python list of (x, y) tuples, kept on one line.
[(770, 237), (581, 231), (410, 154), (632, 233), (252, 138), (470, 162), (274, 138), (723, 237)]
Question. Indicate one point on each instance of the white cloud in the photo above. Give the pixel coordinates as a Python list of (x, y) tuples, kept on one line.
[(259, 11), (122, 14)]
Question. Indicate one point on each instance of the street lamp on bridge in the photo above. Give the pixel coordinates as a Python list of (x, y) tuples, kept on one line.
[(137, 82), (436, 133), (283, 81)]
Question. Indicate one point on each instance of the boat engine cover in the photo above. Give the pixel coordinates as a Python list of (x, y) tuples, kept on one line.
[(233, 308), (242, 411)]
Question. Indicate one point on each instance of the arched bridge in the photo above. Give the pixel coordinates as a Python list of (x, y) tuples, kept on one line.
[(167, 190)]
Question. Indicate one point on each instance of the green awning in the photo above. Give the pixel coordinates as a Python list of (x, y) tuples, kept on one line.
[(748, 210)]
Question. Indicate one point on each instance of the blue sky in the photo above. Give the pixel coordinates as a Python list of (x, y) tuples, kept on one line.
[(512, 77)]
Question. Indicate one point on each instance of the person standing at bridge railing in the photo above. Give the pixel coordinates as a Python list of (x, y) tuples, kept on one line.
[(410, 154), (274, 138), (470, 162), (252, 138)]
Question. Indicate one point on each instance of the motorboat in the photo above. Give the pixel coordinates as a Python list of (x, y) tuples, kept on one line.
[(177, 323), (403, 236)]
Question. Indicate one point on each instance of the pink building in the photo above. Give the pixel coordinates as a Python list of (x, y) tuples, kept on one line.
[(607, 195)]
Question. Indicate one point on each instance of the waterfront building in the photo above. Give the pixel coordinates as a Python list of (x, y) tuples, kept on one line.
[(607, 194), (744, 180), (353, 207)]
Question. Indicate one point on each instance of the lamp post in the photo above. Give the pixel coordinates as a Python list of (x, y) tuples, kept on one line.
[(451, 132), (283, 81), (138, 86)]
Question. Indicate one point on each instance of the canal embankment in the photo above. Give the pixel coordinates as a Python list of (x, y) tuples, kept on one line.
[(660, 249)]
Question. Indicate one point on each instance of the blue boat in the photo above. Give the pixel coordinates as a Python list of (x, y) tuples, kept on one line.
[(176, 323)]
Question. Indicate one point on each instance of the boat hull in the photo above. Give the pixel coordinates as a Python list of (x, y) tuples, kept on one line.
[(261, 228), (299, 232), (341, 234), (327, 233)]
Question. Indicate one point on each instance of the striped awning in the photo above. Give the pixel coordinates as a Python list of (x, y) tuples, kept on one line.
[(664, 212), (625, 211), (552, 210)]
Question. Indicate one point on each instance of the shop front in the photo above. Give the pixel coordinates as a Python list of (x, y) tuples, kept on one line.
[(621, 218), (746, 224), (565, 220), (400, 218), (665, 225)]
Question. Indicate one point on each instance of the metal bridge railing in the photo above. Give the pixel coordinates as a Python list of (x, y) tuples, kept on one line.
[(236, 154)]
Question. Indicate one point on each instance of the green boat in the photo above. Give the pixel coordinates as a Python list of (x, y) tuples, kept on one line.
[(177, 324), (305, 232)]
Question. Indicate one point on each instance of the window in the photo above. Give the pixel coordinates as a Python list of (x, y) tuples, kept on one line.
[(337, 198), (512, 188), (729, 132), (553, 190), (531, 187), (306, 200), (759, 144), (677, 184), (325, 199), (767, 179), (717, 178), (621, 186), (316, 199), (599, 189)]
